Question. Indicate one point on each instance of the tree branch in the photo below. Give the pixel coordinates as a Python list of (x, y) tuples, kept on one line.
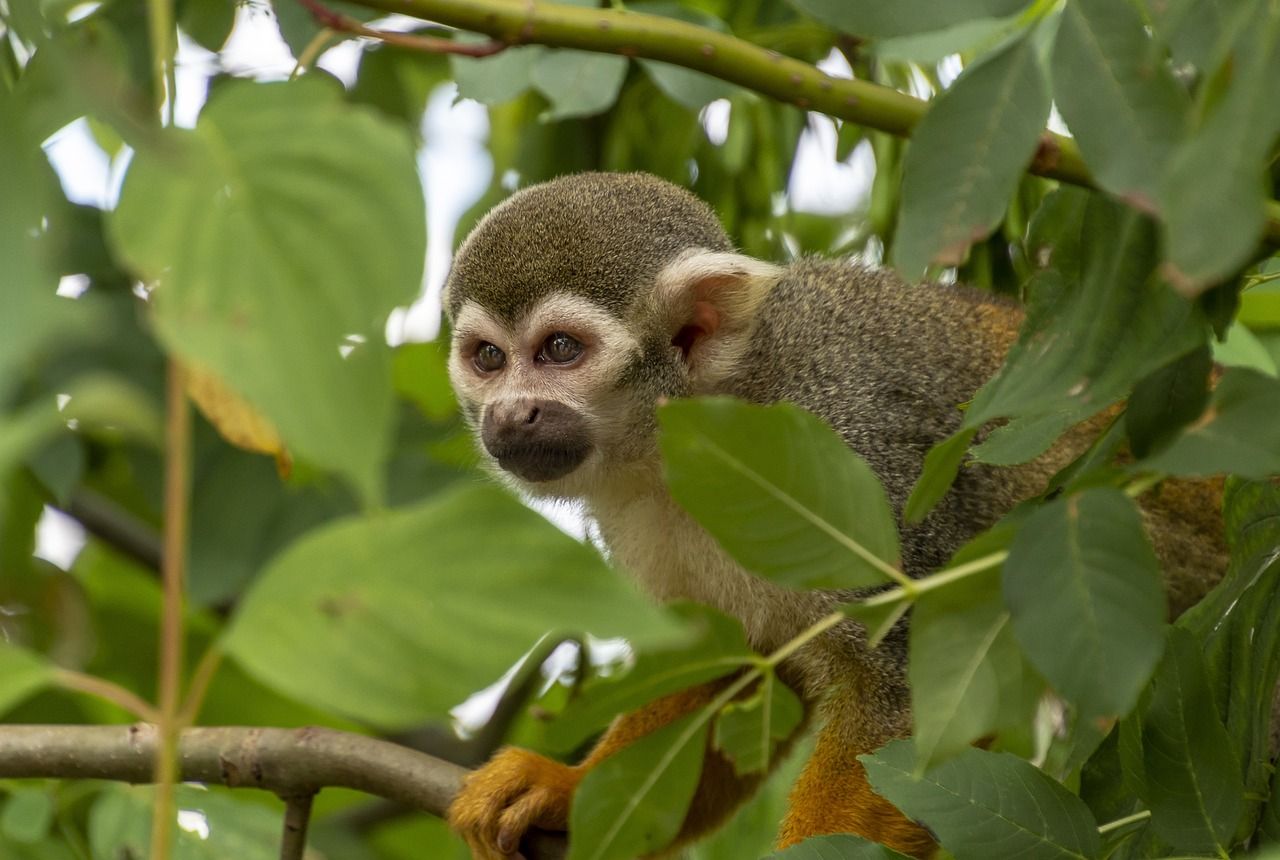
[(289, 762), (115, 526), (636, 34), (339, 23)]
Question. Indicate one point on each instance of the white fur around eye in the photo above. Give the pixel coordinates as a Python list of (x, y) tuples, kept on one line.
[(609, 345)]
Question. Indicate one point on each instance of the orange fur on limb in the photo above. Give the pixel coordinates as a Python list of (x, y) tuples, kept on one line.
[(832, 795), (519, 789)]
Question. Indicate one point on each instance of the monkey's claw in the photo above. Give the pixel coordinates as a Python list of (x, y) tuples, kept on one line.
[(515, 791)]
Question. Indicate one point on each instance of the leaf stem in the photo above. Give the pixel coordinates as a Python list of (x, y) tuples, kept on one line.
[(946, 576), (1124, 822)]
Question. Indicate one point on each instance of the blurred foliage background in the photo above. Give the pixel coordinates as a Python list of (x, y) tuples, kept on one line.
[(354, 570)]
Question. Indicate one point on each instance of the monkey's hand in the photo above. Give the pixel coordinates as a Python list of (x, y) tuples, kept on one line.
[(515, 791)]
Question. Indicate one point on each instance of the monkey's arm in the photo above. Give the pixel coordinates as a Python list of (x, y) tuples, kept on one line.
[(519, 789)]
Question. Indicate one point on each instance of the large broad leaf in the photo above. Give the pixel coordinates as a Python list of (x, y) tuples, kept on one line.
[(211, 825), (1237, 433), (395, 617), (578, 83), (33, 314), (22, 674), (1191, 768), (1116, 92), (496, 79), (1214, 193), (780, 491), (292, 224), (1085, 591), (967, 155), (968, 679), (635, 801), (981, 799), (717, 647), (872, 18)]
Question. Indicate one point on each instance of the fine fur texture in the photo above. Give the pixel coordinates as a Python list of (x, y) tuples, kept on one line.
[(642, 275)]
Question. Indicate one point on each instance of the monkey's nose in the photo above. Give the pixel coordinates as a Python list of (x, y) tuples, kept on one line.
[(537, 440)]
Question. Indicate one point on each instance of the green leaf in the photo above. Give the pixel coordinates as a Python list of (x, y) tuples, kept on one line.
[(1193, 785), (1116, 92), (1238, 625), (1214, 192), (421, 374), (210, 825), (365, 616), (964, 37), (27, 815), (941, 465), (1237, 433), (967, 156), (968, 678), (981, 799), (1054, 235), (871, 18), (748, 731), (1087, 599), (779, 490), (308, 225), (1243, 348), (497, 79), (839, 847), (1081, 348), (692, 89), (578, 83), (635, 801), (34, 316), (1167, 400), (717, 647), (1195, 30)]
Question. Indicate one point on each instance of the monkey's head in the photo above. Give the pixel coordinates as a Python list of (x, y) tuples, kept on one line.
[(578, 303)]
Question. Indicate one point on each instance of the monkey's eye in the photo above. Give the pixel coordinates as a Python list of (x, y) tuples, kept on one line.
[(560, 348), (489, 358)]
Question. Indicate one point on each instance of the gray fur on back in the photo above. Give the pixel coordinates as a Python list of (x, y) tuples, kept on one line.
[(887, 365)]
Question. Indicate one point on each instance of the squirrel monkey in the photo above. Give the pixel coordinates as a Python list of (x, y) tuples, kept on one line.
[(578, 303)]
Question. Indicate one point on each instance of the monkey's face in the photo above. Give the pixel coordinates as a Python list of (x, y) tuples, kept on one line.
[(560, 396)]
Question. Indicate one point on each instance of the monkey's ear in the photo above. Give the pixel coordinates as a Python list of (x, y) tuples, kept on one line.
[(709, 299)]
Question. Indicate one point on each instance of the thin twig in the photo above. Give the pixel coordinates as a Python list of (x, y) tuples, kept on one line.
[(297, 814), (339, 23), (114, 526), (106, 690), (176, 491), (199, 685)]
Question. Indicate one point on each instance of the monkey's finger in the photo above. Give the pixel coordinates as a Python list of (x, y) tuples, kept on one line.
[(516, 819)]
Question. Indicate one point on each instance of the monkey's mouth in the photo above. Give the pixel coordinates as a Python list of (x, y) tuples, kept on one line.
[(538, 463)]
